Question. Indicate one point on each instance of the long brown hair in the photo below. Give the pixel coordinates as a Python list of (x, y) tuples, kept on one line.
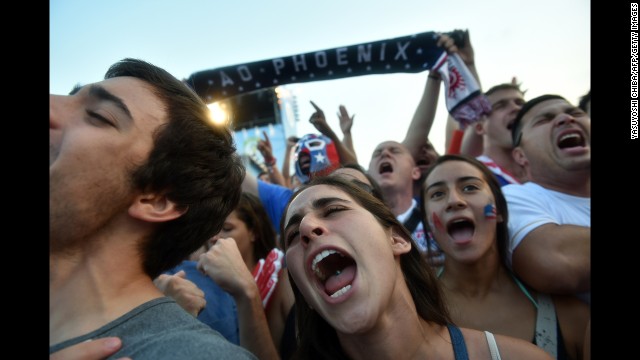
[(317, 339)]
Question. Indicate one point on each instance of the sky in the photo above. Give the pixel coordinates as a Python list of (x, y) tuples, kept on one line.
[(545, 44)]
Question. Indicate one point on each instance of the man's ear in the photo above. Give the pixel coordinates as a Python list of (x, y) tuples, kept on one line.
[(416, 173), (478, 127), (153, 207), (519, 156), (399, 245)]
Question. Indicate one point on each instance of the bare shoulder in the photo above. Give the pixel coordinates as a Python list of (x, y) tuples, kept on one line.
[(509, 347)]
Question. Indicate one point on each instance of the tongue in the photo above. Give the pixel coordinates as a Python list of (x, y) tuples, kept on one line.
[(337, 282), (461, 234)]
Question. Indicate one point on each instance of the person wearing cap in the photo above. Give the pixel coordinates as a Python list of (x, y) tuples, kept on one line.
[(549, 230)]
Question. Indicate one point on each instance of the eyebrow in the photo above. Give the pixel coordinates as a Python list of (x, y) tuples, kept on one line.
[(567, 109), (102, 94), (75, 89), (461, 179), (316, 204)]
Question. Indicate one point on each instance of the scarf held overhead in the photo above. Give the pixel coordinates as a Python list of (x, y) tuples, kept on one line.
[(406, 54)]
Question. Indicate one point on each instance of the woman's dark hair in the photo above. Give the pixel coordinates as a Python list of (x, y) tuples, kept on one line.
[(317, 339), (502, 232), (253, 214), (374, 188)]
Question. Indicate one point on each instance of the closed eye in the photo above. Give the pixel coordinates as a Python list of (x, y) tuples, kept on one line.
[(333, 209), (543, 120), (291, 236), (497, 105), (100, 118), (577, 112)]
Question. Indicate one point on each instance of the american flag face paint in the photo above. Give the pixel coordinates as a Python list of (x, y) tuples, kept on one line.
[(437, 223), (490, 211)]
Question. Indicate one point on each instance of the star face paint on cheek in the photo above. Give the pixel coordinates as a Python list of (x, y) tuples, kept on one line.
[(490, 211), (436, 221)]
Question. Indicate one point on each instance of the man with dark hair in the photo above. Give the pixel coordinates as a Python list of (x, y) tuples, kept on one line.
[(550, 221), (489, 139), (139, 179), (585, 103)]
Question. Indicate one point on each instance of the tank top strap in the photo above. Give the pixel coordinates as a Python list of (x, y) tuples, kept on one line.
[(524, 289), (546, 320), (457, 340), (546, 325)]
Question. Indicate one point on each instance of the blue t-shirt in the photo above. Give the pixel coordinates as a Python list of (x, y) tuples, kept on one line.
[(274, 198), (220, 313)]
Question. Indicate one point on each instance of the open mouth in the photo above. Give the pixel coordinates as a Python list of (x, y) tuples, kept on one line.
[(461, 230), (305, 163), (385, 167), (334, 272), (571, 140), (424, 163)]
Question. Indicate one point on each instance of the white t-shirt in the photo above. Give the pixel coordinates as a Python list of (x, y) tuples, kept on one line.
[(530, 205)]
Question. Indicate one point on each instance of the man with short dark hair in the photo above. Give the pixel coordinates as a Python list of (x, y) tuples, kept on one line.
[(550, 215), (139, 179), (493, 133)]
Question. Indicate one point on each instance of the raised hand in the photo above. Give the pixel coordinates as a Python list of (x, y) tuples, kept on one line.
[(465, 51), (346, 121), (292, 141), (224, 264), (264, 146), (320, 122), (185, 292)]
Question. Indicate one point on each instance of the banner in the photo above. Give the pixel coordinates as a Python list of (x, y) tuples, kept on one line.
[(406, 54)]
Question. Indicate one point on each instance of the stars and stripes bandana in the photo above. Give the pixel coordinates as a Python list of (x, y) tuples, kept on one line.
[(406, 54)]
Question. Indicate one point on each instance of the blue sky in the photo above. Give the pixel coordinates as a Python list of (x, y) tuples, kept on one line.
[(546, 44)]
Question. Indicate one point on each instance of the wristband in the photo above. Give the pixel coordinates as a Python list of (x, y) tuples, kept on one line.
[(270, 163)]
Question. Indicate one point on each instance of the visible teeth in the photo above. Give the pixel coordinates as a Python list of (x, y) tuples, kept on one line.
[(317, 259), (341, 291), (564, 137)]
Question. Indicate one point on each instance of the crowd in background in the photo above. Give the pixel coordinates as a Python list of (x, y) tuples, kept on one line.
[(163, 246)]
